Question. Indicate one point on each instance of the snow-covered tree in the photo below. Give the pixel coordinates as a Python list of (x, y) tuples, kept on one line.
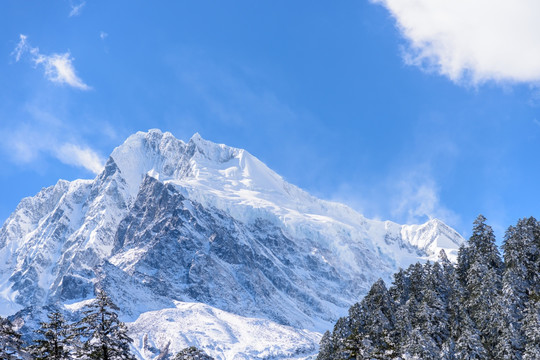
[(192, 353), (11, 345), (419, 346), (375, 336), (514, 289), (531, 328), (469, 345), (54, 341), (103, 335), (327, 349), (484, 284)]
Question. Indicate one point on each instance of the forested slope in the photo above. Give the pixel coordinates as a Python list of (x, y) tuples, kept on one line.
[(483, 307)]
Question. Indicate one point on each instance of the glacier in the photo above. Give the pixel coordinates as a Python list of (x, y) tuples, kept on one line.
[(201, 233)]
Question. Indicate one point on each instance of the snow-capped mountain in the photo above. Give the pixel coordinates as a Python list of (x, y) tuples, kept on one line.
[(168, 223)]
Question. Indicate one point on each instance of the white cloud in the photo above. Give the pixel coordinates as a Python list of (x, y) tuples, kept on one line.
[(42, 136), (58, 67), (81, 156), (103, 35), (28, 147), (76, 9), (471, 41), (21, 47)]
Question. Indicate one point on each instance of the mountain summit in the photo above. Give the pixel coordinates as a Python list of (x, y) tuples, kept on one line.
[(180, 232)]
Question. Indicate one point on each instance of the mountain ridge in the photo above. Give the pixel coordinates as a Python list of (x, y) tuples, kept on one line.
[(201, 222)]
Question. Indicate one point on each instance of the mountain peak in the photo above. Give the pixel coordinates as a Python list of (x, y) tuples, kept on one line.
[(196, 138), (235, 181), (434, 236), (211, 224)]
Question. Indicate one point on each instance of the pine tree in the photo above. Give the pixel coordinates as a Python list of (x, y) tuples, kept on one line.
[(327, 349), (340, 337), (375, 337), (456, 312), (469, 345), (104, 335), (55, 340), (463, 263), (448, 350), (435, 304), (405, 306), (531, 328), (11, 345), (484, 284), (514, 289), (192, 353), (418, 346)]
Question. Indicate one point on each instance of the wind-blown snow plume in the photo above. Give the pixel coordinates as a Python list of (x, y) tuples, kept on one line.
[(85, 157)]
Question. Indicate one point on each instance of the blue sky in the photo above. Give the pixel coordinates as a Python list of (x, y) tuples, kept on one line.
[(404, 110)]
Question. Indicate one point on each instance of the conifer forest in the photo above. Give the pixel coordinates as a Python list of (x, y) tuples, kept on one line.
[(483, 307)]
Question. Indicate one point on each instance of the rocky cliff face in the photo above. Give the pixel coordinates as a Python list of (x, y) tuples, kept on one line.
[(168, 222)]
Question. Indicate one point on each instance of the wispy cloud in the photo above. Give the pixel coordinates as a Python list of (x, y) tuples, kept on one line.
[(471, 41), (43, 135), (103, 35), (22, 48), (27, 146), (76, 9), (58, 68)]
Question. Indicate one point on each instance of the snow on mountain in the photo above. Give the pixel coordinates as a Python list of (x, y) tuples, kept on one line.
[(432, 237), (220, 334), (169, 221)]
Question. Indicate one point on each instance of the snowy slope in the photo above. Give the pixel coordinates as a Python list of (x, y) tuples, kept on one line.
[(220, 334), (169, 221)]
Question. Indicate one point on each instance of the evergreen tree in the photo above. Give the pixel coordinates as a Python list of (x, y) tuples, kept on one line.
[(11, 345), (192, 353), (418, 346), (55, 340), (482, 244), (434, 315), (456, 312), (341, 337), (104, 336), (448, 350), (484, 284), (469, 345), (514, 290), (400, 290), (375, 335), (531, 328), (463, 263), (327, 349)]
